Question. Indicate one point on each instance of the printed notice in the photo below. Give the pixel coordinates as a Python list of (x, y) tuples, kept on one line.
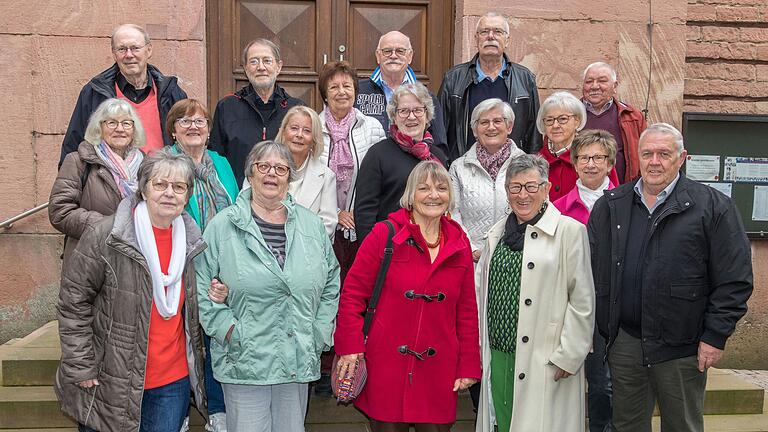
[(760, 204), (746, 169), (725, 188), (703, 167)]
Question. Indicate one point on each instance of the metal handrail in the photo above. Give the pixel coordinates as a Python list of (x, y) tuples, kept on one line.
[(9, 223)]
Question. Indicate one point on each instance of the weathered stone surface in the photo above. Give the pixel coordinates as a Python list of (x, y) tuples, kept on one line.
[(720, 70), (716, 33), (724, 106), (701, 87), (702, 12)]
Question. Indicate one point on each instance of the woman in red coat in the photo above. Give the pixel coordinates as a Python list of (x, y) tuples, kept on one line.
[(423, 345)]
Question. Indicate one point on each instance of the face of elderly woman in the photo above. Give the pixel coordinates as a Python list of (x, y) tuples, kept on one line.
[(297, 135), (270, 178), (191, 131), (411, 116), (431, 199), (166, 196), (117, 132), (560, 126), (492, 130), (340, 92), (592, 165), (526, 193)]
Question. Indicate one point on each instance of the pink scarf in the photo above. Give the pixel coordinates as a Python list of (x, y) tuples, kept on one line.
[(340, 155), (492, 162), (419, 149)]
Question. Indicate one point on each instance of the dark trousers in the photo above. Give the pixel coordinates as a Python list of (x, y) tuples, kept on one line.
[(677, 386), (345, 251), (599, 386), (213, 390)]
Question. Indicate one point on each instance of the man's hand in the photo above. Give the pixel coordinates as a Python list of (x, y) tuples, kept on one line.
[(708, 356)]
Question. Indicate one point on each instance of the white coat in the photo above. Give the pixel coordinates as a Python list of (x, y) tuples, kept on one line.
[(316, 190), (557, 298)]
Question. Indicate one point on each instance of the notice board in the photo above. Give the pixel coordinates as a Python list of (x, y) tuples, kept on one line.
[(730, 152)]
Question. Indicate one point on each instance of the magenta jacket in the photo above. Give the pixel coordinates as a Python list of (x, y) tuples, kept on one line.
[(572, 205)]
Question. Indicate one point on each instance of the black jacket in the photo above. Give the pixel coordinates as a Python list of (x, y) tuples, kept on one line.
[(238, 125), (101, 88), (381, 182), (697, 273), (523, 97), (372, 102)]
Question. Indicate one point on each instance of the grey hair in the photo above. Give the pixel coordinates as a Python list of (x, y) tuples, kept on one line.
[(163, 162), (420, 173), (264, 42), (266, 148), (563, 100), (488, 105), (665, 129), (378, 46), (417, 90), (109, 109), (614, 75), (139, 29), (493, 15), (527, 162)]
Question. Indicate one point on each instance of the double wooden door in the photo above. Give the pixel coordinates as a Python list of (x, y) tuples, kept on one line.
[(312, 32)]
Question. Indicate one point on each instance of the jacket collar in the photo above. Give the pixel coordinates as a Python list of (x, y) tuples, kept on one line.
[(241, 214), (410, 77), (455, 239), (104, 82), (279, 95), (87, 153), (312, 185), (505, 71), (547, 225)]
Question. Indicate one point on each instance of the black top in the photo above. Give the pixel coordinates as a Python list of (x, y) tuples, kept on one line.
[(129, 91), (485, 89)]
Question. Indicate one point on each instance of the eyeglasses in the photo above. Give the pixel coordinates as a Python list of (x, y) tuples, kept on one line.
[(530, 187), (112, 124), (496, 31), (186, 123), (265, 168), (563, 119), (399, 51), (498, 122), (404, 113), (177, 187), (124, 50), (584, 159), (266, 61)]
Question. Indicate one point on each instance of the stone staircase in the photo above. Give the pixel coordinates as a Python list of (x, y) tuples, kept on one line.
[(28, 403)]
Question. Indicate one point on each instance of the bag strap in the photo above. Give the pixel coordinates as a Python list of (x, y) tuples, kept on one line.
[(368, 320)]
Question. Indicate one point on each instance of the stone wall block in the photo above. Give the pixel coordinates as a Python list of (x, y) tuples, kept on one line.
[(702, 50), (761, 52), (596, 10), (715, 33), (739, 13), (182, 59), (721, 106), (754, 34), (723, 71), (762, 73), (701, 12), (46, 152), (693, 32)]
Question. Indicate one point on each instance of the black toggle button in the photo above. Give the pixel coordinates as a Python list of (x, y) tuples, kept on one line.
[(528, 302), (525, 339), (531, 265), (534, 235), (521, 376)]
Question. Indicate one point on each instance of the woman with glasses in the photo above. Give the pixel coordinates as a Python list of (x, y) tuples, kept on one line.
[(560, 117), (385, 170), (131, 345), (422, 345), (536, 302), (93, 180), (276, 259)]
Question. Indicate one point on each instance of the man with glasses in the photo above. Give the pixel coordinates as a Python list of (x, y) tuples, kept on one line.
[(394, 54), (133, 79), (606, 112), (490, 74), (253, 113)]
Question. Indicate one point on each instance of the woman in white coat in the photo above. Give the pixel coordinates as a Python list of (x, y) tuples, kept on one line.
[(314, 184), (536, 300)]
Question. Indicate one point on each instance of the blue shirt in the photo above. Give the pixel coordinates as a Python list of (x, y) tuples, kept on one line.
[(409, 78), (660, 198), (481, 75)]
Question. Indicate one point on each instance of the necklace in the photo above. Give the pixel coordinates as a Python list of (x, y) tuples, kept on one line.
[(439, 234)]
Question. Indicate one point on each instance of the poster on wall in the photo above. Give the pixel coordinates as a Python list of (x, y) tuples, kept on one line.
[(746, 169), (725, 188), (760, 204), (702, 167)]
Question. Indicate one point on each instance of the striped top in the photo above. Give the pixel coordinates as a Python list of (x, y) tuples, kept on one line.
[(274, 236)]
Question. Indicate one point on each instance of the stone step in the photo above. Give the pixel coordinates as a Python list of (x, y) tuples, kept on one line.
[(31, 360)]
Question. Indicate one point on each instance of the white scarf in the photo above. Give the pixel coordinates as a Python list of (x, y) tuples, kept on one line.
[(166, 301), (589, 196)]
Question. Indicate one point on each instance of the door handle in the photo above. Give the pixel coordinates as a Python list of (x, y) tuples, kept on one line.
[(342, 49), (325, 58)]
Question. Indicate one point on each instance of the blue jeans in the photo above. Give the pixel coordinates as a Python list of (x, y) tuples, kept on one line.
[(599, 386), (212, 387)]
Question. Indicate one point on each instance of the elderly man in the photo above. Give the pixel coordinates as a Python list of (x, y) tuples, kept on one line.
[(606, 112), (253, 113), (132, 78), (490, 74), (673, 273), (394, 54)]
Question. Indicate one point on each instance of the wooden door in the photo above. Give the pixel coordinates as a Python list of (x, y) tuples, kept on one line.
[(311, 32)]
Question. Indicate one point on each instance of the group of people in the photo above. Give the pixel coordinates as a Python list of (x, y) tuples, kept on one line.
[(535, 254)]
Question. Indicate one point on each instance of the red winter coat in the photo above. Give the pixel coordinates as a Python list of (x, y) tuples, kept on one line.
[(562, 174), (401, 388)]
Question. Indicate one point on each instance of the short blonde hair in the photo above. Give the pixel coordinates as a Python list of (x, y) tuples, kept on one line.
[(317, 127), (109, 109), (420, 173)]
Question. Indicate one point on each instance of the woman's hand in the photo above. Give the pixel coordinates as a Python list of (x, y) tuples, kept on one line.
[(559, 373), (347, 365), (346, 219), (463, 383), (476, 255), (88, 383), (218, 291)]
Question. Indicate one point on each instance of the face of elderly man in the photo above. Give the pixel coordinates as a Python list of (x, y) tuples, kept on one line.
[(491, 36), (262, 67), (131, 52), (394, 53), (599, 87), (659, 161)]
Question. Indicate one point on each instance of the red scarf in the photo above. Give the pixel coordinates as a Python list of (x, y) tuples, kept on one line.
[(419, 149)]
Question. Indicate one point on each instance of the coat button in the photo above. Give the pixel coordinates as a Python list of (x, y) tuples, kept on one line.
[(521, 376), (557, 188), (528, 302), (531, 265), (534, 235), (525, 339)]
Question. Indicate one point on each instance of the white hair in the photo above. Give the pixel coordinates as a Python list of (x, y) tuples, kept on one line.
[(563, 100), (614, 75), (493, 15), (668, 130)]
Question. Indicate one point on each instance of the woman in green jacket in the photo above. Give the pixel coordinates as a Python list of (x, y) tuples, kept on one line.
[(283, 279)]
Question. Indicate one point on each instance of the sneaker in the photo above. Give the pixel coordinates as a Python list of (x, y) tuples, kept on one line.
[(217, 422), (185, 425)]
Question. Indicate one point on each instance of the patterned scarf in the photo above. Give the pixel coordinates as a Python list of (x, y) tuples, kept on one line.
[(492, 162), (124, 170), (419, 149), (340, 159)]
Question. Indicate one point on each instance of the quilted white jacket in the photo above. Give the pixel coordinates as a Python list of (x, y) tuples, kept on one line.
[(480, 202)]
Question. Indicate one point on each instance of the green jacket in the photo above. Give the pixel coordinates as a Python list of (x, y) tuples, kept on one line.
[(283, 319)]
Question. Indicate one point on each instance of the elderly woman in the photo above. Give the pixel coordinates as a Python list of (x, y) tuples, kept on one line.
[(348, 134), (314, 184), (386, 167), (593, 153), (131, 346), (478, 176), (536, 311), (93, 180), (422, 346), (560, 117), (277, 260)]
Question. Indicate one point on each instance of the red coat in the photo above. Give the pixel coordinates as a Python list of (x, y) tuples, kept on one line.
[(401, 388), (571, 205), (632, 123), (562, 174)]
